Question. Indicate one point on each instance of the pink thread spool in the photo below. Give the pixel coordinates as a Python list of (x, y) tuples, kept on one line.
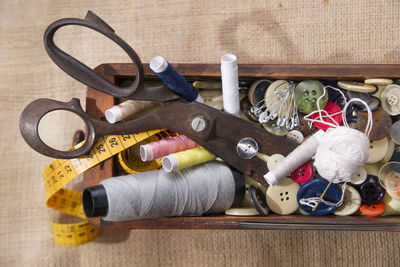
[(158, 149)]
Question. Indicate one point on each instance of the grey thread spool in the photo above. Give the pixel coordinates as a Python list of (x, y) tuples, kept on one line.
[(209, 188)]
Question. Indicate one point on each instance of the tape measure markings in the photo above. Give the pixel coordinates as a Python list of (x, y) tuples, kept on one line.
[(61, 171)]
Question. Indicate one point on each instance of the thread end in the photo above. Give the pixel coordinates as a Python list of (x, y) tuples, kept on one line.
[(113, 115), (158, 64), (170, 163), (146, 153), (95, 201)]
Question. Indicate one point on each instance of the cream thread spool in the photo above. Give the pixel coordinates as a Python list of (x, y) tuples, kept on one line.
[(126, 109), (230, 84)]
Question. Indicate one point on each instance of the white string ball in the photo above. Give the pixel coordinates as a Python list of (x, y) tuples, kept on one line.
[(342, 151)]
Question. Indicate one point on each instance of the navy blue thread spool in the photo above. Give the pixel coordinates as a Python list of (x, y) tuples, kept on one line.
[(174, 80)]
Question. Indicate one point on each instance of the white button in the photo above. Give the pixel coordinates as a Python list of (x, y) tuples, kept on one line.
[(282, 198), (296, 136), (372, 169), (392, 206), (378, 81), (377, 150), (277, 86), (351, 202), (389, 152), (391, 181), (356, 87), (274, 160), (242, 212), (359, 177), (390, 99)]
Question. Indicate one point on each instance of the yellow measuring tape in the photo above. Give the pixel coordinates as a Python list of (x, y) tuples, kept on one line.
[(61, 171)]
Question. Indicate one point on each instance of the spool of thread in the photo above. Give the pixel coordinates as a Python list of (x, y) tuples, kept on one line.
[(209, 188), (174, 80), (126, 109), (187, 158), (230, 84), (164, 147)]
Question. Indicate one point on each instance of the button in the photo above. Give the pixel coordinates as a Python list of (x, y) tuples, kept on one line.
[(391, 99), (245, 108), (373, 210), (373, 104), (395, 132), (295, 136), (247, 148), (396, 155), (278, 86), (275, 129), (381, 83), (351, 202), (357, 87), (313, 189), (281, 198), (371, 191), (372, 169), (359, 177), (242, 212), (389, 178), (305, 127), (257, 91), (307, 93), (381, 124), (331, 108), (212, 98), (392, 206), (377, 150), (389, 152), (257, 199), (273, 160), (363, 96), (303, 173)]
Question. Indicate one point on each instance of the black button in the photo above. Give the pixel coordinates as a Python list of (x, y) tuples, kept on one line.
[(371, 191), (257, 199)]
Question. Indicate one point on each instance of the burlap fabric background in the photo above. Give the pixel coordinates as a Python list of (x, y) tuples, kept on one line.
[(271, 31)]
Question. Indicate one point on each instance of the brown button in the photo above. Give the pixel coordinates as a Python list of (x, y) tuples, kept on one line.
[(246, 114), (305, 127), (381, 124)]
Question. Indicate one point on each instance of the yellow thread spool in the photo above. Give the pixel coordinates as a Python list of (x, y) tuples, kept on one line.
[(187, 158)]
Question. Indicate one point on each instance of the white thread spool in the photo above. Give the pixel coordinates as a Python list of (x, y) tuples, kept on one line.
[(126, 109), (209, 188), (230, 84)]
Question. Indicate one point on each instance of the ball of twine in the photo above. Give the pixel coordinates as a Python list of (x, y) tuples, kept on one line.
[(342, 151)]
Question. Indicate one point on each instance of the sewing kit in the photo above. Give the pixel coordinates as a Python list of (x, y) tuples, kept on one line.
[(224, 146)]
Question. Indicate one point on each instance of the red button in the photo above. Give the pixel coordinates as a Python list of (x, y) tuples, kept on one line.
[(374, 210), (303, 173), (331, 108)]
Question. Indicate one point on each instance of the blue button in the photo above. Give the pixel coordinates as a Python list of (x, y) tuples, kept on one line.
[(314, 188)]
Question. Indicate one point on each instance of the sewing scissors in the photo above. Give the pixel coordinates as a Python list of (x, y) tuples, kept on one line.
[(215, 130)]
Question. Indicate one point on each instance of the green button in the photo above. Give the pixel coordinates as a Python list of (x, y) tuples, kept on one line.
[(307, 94)]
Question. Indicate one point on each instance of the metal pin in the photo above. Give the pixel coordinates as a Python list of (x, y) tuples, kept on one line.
[(322, 195)]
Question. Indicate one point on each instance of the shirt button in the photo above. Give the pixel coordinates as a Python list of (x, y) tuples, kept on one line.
[(330, 108), (281, 198), (373, 210), (351, 202), (380, 83), (295, 136), (257, 199), (359, 176), (371, 191), (377, 150), (389, 178), (314, 188), (273, 160), (381, 126), (307, 93), (357, 87), (242, 212), (392, 206), (303, 173), (391, 99), (257, 91)]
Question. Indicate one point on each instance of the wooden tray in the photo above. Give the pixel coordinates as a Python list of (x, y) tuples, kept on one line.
[(97, 103)]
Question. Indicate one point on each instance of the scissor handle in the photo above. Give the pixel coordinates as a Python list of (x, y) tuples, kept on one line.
[(80, 71), (36, 110)]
